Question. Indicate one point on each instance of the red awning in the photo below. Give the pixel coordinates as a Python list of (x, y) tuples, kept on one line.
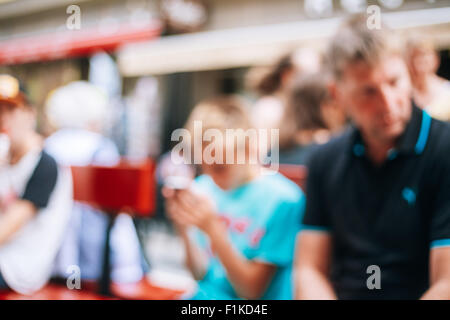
[(73, 43)]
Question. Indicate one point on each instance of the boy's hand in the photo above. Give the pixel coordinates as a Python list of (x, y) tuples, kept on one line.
[(187, 208), (172, 208)]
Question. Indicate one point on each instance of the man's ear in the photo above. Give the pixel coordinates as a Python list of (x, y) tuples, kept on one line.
[(436, 61), (332, 89), (335, 95)]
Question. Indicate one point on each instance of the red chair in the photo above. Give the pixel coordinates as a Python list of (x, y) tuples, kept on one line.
[(144, 290), (296, 173), (127, 188)]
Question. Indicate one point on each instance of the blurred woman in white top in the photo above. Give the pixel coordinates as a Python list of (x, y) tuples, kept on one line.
[(431, 92), (79, 111), (35, 196)]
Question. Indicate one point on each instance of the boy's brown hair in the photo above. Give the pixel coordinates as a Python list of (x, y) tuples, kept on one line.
[(223, 112), (220, 113)]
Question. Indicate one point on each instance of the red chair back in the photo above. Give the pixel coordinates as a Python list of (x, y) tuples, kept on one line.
[(128, 187)]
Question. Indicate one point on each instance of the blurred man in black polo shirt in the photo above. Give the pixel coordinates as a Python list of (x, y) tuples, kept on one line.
[(377, 220)]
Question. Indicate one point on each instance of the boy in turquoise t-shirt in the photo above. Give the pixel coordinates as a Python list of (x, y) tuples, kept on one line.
[(262, 218), (238, 222)]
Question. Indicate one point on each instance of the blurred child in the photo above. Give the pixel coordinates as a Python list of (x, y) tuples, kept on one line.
[(238, 222), (35, 197)]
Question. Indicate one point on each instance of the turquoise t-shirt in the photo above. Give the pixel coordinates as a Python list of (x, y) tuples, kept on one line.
[(263, 218)]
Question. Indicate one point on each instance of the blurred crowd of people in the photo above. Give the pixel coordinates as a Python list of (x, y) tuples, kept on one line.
[(356, 115)]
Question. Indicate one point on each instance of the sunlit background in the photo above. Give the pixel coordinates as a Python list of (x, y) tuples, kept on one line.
[(157, 59)]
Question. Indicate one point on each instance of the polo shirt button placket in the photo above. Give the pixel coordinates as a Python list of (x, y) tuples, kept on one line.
[(358, 150), (392, 154)]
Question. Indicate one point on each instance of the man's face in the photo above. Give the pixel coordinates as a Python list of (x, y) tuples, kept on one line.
[(377, 98), (14, 122)]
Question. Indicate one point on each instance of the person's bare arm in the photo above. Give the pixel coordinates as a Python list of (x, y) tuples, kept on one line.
[(249, 278), (14, 218), (439, 275), (312, 266), (196, 260)]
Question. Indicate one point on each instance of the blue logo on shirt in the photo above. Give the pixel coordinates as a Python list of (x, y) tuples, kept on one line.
[(358, 150), (409, 195)]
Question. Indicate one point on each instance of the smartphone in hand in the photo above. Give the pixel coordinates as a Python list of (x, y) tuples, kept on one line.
[(177, 182)]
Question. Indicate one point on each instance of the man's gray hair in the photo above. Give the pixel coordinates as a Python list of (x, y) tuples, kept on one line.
[(355, 42)]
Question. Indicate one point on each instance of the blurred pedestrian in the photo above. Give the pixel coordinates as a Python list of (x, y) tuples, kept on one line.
[(312, 117), (79, 111), (35, 196), (431, 92), (268, 111)]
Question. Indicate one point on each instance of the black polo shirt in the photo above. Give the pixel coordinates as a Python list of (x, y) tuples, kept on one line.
[(389, 215)]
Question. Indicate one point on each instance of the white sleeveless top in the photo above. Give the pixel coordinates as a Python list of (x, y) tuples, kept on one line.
[(26, 260)]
